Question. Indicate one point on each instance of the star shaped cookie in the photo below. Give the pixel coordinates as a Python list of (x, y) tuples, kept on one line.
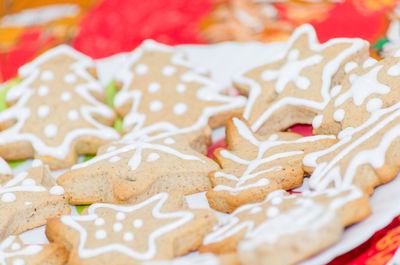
[(296, 87), (54, 113), (29, 199), (14, 251), (163, 94), (134, 171), (254, 166), (156, 229), (366, 89), (286, 229)]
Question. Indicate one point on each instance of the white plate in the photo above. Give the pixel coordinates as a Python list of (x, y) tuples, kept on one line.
[(224, 60)]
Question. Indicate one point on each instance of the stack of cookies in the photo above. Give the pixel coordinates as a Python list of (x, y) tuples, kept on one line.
[(147, 151)]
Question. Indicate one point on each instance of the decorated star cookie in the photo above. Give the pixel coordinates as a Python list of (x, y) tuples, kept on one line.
[(132, 172), (159, 228), (14, 252), (254, 165), (54, 114), (163, 94), (28, 199), (5, 171), (295, 88), (365, 156), (366, 88), (285, 229)]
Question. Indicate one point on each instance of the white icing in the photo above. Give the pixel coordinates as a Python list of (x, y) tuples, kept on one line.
[(154, 87), (73, 115), (22, 113), (329, 70), (114, 159), (177, 219), (18, 262), (70, 78), (394, 70), (252, 165), (8, 197), (37, 163), (369, 62), (141, 69), (111, 148), (137, 223), (169, 141), (117, 227), (317, 121), (180, 108), (43, 111), (350, 66), (336, 90), (339, 115), (168, 70), (66, 96), (156, 105), (47, 75), (57, 190), (99, 221), (17, 251), (50, 130), (180, 88), (272, 212), (374, 104), (28, 203), (4, 167), (152, 157), (120, 216)]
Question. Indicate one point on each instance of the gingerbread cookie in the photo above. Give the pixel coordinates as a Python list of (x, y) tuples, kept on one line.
[(286, 229), (296, 87), (132, 172), (365, 156), (14, 251), (5, 171), (163, 94), (365, 89), (54, 114), (157, 229), (202, 259), (253, 166), (29, 199)]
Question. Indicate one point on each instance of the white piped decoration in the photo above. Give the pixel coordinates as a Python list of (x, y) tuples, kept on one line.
[(156, 105), (11, 250), (141, 69), (169, 141), (114, 159), (137, 223), (168, 70), (154, 87), (51, 130), (47, 75), (117, 227), (152, 157), (128, 236), (180, 108), (8, 197), (43, 111), (57, 190), (180, 88), (66, 96), (70, 78), (339, 115), (73, 115), (43, 90), (101, 234)]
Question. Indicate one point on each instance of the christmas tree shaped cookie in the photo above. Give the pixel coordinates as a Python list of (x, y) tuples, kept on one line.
[(286, 229), (365, 89), (132, 172), (14, 251), (29, 199), (365, 156), (54, 114), (163, 94), (159, 228), (254, 166), (296, 87)]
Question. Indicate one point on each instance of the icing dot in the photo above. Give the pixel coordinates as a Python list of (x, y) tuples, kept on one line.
[(369, 62), (339, 115), (272, 212), (205, 95), (37, 163), (156, 105), (168, 70), (350, 66), (114, 159), (28, 203), (66, 96), (188, 77), (18, 262), (154, 87), (120, 216), (335, 90), (169, 141), (8, 197), (15, 246), (29, 182), (99, 221), (50, 130), (317, 121), (101, 234), (180, 88), (255, 210), (180, 108), (57, 190), (137, 223), (142, 69), (152, 157), (117, 227), (73, 115), (276, 200), (43, 111), (128, 236), (47, 75), (374, 104), (70, 78), (273, 137), (111, 148), (43, 91)]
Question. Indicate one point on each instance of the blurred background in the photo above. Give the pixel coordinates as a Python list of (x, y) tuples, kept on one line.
[(101, 28)]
